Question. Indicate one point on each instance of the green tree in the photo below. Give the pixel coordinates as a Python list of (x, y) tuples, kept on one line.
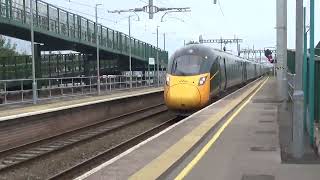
[(7, 48)]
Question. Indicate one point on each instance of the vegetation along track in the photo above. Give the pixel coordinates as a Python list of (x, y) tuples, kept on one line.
[(33, 156)]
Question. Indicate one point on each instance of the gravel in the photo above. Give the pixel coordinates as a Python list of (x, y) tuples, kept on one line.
[(51, 164)]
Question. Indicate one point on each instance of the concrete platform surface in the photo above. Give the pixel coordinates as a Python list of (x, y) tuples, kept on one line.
[(248, 149), (159, 154), (21, 110)]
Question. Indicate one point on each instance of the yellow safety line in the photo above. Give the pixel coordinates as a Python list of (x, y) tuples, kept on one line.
[(204, 150), (214, 75), (159, 165)]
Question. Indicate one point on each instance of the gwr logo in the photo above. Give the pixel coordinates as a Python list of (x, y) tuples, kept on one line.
[(183, 81)]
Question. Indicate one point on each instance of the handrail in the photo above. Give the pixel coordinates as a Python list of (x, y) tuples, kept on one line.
[(290, 84), (76, 25), (14, 91)]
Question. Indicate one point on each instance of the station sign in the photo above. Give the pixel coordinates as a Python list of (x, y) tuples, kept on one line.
[(151, 61)]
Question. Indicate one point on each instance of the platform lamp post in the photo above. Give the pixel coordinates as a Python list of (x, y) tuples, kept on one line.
[(298, 95), (34, 82), (164, 48), (305, 68), (158, 74), (164, 45), (129, 22), (311, 74), (130, 53), (281, 64), (98, 49), (130, 63)]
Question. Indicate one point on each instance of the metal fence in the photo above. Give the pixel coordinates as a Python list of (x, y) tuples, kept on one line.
[(49, 19), (20, 90), (290, 78)]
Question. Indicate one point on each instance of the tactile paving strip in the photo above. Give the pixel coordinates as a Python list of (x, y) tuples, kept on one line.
[(257, 177), (263, 148), (265, 132)]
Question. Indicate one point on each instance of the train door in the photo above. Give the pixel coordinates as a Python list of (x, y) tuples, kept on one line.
[(239, 64), (260, 70), (223, 73), (242, 74), (215, 77), (255, 70), (244, 71), (221, 76)]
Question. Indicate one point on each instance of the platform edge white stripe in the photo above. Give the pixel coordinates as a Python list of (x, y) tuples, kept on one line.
[(10, 117)]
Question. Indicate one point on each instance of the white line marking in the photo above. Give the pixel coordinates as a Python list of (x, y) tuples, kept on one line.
[(98, 168)]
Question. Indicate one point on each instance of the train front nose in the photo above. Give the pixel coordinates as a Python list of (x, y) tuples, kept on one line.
[(183, 96)]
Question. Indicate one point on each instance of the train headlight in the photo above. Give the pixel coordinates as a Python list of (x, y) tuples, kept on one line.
[(168, 80), (202, 80)]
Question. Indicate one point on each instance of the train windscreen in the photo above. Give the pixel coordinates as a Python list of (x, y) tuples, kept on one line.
[(187, 65)]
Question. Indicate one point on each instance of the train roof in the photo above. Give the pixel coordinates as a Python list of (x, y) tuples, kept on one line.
[(203, 49)]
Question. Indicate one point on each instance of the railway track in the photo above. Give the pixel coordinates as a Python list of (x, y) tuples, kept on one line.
[(84, 166), (20, 156), (105, 155), (28, 160)]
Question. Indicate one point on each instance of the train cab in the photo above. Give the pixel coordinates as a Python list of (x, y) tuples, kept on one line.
[(188, 79), (196, 73)]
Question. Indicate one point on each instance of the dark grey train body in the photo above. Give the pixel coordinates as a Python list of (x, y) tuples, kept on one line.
[(216, 70)]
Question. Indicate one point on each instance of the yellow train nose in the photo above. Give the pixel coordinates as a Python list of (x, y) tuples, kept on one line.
[(183, 96)]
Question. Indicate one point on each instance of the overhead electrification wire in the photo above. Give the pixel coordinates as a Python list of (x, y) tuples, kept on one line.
[(83, 13), (220, 7), (161, 2), (91, 15), (143, 1), (78, 3), (80, 12), (82, 4)]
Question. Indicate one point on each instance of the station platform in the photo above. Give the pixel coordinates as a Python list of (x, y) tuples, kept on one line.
[(236, 137), (13, 111)]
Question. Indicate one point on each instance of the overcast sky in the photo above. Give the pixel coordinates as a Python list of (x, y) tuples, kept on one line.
[(252, 20)]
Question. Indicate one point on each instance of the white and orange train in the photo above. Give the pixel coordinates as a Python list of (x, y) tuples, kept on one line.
[(196, 73)]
